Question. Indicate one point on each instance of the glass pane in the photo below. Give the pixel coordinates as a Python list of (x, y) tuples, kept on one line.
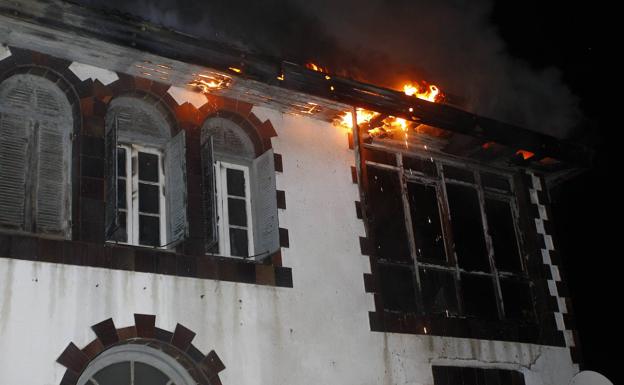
[(238, 243), (237, 212), (495, 181), (425, 166), (121, 194), (467, 228), (397, 288), (149, 230), (121, 234), (121, 161), (517, 299), (148, 167), (438, 290), (451, 172), (149, 198), (479, 296), (387, 219), (148, 375), (236, 182), (501, 228), (115, 374), (426, 222)]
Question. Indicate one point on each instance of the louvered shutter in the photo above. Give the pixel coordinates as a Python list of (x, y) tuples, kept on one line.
[(14, 137), (209, 197), (110, 147), (175, 188), (52, 180), (264, 205)]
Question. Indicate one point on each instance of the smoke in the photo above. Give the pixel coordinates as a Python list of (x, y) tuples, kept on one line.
[(451, 43)]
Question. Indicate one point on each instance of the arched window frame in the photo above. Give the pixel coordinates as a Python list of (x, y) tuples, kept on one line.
[(228, 147), (137, 129), (36, 181), (133, 353)]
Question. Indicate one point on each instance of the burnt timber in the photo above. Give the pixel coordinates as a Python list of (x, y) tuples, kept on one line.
[(126, 40)]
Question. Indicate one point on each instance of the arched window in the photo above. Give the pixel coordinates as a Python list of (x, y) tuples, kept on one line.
[(135, 364), (239, 191), (146, 175), (36, 123)]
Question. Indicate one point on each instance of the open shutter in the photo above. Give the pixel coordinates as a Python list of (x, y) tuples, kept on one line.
[(14, 137), (209, 197), (175, 188), (264, 205), (52, 178), (110, 147)]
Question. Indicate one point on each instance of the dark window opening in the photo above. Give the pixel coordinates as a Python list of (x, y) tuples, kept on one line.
[(503, 233), (479, 296), (426, 224), (457, 375), (438, 289), (397, 288)]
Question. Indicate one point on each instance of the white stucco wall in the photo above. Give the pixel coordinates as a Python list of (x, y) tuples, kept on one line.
[(314, 333)]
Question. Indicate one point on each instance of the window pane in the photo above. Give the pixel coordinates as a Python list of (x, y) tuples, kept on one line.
[(495, 181), (451, 172), (121, 194), (479, 298), (149, 198), (501, 228), (397, 287), (149, 230), (115, 374), (517, 299), (121, 161), (121, 234), (148, 167), (378, 156), (387, 219), (467, 228), (236, 182), (148, 375), (237, 212), (426, 222), (438, 290), (425, 166), (238, 243)]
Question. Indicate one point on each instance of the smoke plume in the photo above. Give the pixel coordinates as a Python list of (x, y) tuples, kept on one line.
[(451, 43)]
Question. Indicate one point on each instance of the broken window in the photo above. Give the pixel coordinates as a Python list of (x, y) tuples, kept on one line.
[(240, 208), (36, 124), (445, 239), (146, 176), (452, 375)]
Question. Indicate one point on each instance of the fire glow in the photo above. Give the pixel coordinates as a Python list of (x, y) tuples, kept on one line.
[(376, 127), (207, 83)]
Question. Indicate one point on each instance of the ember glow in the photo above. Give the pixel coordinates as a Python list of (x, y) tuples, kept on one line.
[(525, 154), (388, 127), (207, 83), (317, 68)]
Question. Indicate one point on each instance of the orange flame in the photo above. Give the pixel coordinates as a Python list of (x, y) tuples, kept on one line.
[(430, 93), (210, 82), (525, 154), (316, 68)]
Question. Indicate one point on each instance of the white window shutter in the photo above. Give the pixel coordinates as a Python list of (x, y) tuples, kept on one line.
[(110, 148), (211, 235), (52, 180), (264, 206), (14, 137), (175, 188)]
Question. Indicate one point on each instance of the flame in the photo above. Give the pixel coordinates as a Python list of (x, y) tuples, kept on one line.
[(430, 93), (234, 69), (525, 154), (316, 68), (363, 116)]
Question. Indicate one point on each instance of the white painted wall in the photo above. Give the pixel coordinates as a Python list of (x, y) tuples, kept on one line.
[(315, 333)]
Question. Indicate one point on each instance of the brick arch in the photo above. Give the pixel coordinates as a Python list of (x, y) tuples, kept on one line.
[(178, 345)]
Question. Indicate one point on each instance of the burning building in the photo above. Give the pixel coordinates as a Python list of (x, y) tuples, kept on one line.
[(176, 211)]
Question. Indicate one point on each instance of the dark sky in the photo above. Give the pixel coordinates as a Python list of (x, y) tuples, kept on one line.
[(538, 64), (575, 38)]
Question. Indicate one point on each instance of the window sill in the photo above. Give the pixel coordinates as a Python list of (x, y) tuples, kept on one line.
[(143, 259)]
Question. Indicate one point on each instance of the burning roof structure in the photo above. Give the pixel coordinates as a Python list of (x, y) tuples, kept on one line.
[(417, 117)]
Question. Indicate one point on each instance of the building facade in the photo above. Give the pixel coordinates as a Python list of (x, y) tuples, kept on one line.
[(170, 215)]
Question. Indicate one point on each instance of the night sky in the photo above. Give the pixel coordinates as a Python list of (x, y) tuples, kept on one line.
[(572, 37)]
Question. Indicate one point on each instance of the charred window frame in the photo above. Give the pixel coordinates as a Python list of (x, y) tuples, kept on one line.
[(447, 240)]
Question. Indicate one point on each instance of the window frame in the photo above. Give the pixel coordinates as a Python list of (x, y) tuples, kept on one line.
[(223, 223), (132, 194), (451, 263)]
